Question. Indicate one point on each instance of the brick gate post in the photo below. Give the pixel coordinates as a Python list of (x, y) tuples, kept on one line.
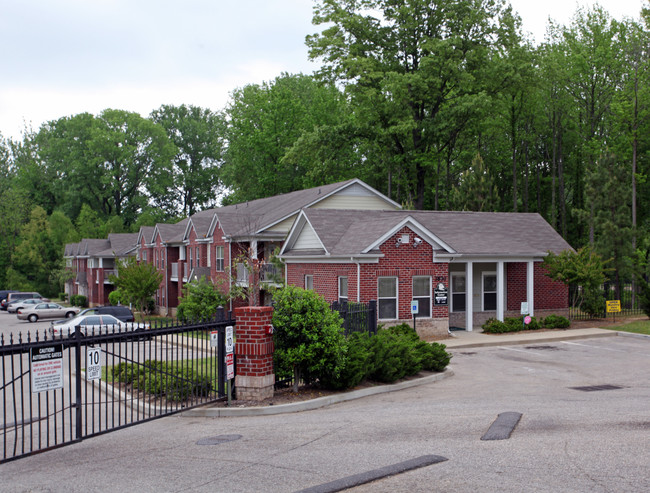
[(254, 352)]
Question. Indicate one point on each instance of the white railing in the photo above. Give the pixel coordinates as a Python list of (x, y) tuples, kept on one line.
[(242, 275)]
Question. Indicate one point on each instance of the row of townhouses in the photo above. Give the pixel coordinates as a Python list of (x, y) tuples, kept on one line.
[(348, 242)]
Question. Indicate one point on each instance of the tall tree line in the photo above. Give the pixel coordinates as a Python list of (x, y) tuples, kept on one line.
[(441, 105)]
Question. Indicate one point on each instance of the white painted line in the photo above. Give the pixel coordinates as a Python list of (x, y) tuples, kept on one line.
[(594, 347)]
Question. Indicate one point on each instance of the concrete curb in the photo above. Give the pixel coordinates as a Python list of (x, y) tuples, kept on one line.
[(217, 412), (513, 342)]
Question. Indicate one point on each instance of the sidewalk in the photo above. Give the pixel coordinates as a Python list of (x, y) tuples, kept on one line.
[(476, 338), (459, 339)]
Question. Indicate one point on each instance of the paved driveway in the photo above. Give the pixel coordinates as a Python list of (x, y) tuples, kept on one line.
[(572, 437)]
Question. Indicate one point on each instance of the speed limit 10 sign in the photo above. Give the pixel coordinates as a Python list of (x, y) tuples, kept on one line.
[(93, 363)]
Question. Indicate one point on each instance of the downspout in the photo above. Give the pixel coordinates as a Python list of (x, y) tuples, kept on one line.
[(358, 280), (230, 272)]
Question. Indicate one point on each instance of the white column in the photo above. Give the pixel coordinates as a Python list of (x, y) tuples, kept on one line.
[(530, 287), (500, 290), (469, 296)]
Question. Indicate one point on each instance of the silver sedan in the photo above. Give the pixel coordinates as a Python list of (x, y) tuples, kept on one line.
[(46, 310)]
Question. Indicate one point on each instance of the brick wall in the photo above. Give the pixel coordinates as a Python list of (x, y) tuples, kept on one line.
[(254, 352)]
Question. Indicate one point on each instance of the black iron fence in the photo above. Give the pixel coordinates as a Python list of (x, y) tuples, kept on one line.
[(357, 317), (59, 390), (626, 292)]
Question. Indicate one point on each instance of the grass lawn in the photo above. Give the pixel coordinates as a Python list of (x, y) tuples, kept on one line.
[(637, 327)]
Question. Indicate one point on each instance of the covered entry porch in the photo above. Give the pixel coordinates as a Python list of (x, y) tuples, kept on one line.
[(483, 288)]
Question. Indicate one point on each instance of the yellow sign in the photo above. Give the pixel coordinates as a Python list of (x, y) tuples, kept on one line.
[(613, 306)]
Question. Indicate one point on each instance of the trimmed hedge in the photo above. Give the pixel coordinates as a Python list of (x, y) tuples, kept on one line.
[(386, 357), (79, 300), (516, 324)]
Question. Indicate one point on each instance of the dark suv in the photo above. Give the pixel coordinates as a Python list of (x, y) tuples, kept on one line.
[(17, 296), (120, 312)]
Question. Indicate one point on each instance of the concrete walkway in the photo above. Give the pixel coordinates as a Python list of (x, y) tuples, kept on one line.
[(476, 338), (459, 340)]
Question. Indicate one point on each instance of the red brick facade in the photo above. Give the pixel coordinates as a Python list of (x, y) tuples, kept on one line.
[(254, 352)]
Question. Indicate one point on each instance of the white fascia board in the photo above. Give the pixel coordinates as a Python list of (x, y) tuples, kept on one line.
[(296, 230), (417, 228), (186, 234), (213, 225), (355, 181), (270, 225), (318, 259), (489, 258)]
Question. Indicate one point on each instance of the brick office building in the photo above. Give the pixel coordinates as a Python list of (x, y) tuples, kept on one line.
[(461, 267)]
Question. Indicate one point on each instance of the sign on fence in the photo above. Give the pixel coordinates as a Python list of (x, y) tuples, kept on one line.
[(93, 363), (613, 306), (46, 367)]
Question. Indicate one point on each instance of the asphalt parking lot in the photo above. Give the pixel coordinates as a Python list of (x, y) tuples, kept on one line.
[(9, 324), (584, 427)]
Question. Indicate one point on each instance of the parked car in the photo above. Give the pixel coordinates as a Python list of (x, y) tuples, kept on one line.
[(19, 296), (3, 296), (120, 312), (88, 324), (14, 306), (46, 310)]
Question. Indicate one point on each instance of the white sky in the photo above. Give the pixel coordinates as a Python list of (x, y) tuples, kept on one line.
[(64, 57)]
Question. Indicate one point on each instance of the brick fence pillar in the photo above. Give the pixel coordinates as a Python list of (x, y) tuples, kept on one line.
[(254, 353)]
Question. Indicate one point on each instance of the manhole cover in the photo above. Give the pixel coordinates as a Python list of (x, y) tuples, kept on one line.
[(594, 388), (218, 440)]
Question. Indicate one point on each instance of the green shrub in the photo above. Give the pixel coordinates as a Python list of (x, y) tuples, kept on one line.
[(593, 303), (555, 322), (433, 356), (116, 297), (163, 379), (63, 296), (494, 326), (509, 324), (308, 336), (356, 365), (79, 300)]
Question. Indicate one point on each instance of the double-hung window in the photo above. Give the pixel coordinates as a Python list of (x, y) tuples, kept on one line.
[(343, 289), (218, 258), (489, 291), (458, 292), (309, 281), (198, 257), (387, 297), (422, 294)]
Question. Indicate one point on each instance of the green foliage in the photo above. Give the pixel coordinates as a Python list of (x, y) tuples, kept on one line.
[(555, 322), (308, 336), (79, 300), (138, 282), (198, 134), (159, 378), (200, 300), (392, 354), (584, 268), (509, 324), (116, 297)]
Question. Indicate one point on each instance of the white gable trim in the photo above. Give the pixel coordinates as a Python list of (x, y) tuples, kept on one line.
[(418, 229), (296, 232), (351, 183)]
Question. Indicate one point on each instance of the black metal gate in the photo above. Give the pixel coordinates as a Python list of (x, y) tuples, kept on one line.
[(57, 391)]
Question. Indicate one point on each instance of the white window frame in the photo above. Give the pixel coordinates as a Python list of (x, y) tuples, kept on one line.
[(190, 259), (341, 297), (396, 298), (309, 282), (484, 292), (452, 292), (198, 256), (208, 264), (219, 260), (422, 298)]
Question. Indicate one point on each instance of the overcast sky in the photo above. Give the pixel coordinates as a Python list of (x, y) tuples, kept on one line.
[(64, 57)]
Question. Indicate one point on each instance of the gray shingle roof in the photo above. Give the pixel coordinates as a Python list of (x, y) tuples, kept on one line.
[(346, 233)]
